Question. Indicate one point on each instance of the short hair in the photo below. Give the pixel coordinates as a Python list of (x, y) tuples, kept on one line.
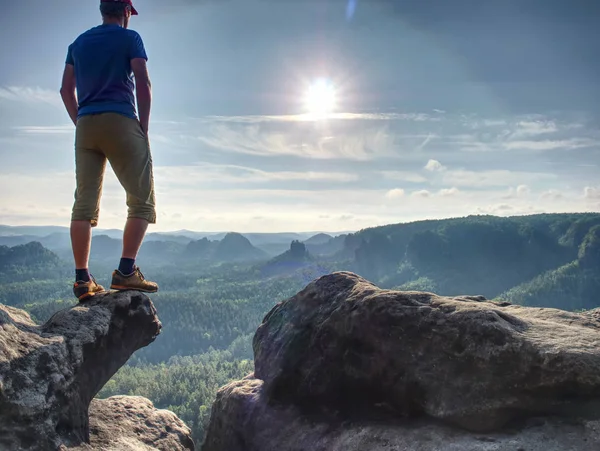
[(114, 10)]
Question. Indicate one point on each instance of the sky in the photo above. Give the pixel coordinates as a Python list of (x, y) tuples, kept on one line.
[(442, 109)]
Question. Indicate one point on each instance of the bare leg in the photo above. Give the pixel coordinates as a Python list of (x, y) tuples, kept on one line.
[(128, 276), (81, 242), (133, 235)]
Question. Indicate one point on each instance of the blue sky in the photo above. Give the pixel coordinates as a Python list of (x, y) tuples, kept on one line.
[(443, 109)]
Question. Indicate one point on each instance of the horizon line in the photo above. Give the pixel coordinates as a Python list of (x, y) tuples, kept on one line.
[(338, 232)]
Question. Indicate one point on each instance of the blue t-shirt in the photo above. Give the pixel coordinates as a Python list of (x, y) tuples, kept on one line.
[(102, 60)]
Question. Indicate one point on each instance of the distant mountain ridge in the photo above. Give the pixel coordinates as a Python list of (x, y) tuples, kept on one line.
[(254, 237), (319, 238), (517, 257), (57, 238), (236, 247)]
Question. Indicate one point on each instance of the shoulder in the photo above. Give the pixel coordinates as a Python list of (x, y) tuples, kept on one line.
[(85, 35), (90, 32), (132, 34), (133, 37)]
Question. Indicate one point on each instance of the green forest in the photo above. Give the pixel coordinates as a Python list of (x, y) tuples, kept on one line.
[(214, 293)]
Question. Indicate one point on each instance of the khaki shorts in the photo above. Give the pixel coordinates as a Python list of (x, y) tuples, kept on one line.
[(120, 140)]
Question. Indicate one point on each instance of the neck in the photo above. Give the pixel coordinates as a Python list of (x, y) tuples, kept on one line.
[(112, 21)]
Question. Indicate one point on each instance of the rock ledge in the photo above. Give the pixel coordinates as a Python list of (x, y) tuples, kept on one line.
[(49, 374), (344, 365)]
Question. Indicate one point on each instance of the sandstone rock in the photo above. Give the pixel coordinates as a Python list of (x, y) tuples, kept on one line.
[(344, 365), (50, 373), (131, 423), (243, 420), (346, 345)]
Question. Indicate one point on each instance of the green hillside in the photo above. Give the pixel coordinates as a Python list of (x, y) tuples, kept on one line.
[(574, 286)]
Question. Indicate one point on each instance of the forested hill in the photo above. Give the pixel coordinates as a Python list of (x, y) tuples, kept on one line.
[(18, 263), (29, 254), (485, 255)]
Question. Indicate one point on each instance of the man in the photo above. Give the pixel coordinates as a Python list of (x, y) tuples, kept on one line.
[(98, 93)]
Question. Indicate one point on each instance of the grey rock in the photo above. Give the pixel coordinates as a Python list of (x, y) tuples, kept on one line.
[(244, 420), (344, 358), (131, 423), (345, 344), (49, 374)]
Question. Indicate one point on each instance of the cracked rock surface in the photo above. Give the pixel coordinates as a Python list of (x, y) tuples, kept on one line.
[(49, 374)]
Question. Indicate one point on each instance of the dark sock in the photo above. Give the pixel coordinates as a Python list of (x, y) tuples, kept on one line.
[(126, 266), (82, 275)]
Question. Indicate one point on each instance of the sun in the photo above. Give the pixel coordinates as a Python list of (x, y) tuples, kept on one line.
[(320, 98)]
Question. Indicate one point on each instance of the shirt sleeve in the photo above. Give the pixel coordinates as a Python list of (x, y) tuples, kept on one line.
[(137, 47), (70, 59)]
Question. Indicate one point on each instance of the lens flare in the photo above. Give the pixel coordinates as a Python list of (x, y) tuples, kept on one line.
[(351, 9)]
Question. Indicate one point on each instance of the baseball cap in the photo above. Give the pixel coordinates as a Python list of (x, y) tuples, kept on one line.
[(127, 2)]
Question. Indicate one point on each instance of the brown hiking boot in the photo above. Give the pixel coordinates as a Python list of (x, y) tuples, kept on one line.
[(83, 290), (134, 281)]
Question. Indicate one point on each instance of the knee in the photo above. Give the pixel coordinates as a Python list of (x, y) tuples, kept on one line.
[(81, 215), (145, 211), (85, 209)]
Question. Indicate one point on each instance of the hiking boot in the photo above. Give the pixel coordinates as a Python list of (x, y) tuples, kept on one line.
[(134, 281), (83, 290)]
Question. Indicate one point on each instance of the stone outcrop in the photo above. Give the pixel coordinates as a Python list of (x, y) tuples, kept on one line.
[(131, 423), (344, 365), (49, 375)]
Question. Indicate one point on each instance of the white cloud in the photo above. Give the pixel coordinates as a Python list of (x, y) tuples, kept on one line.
[(474, 122), (504, 207), (591, 193), (500, 177), (535, 128), (523, 190), (362, 144), (552, 194), (405, 176), (395, 193), (465, 142), (30, 95), (421, 193), (47, 130), (522, 133), (256, 119), (566, 144), (207, 173), (434, 165), (499, 210), (449, 191)]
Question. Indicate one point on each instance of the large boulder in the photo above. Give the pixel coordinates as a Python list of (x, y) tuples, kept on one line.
[(244, 419), (131, 423), (343, 350), (49, 374)]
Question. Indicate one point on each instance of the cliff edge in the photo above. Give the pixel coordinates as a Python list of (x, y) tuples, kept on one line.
[(49, 375)]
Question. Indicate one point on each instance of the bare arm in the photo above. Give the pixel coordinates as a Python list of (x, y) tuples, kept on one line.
[(67, 92), (143, 90)]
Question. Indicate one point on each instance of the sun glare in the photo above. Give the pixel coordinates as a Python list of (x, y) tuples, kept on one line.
[(320, 99)]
